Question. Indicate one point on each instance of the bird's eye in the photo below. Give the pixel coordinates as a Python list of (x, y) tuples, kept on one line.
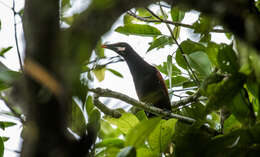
[(121, 48)]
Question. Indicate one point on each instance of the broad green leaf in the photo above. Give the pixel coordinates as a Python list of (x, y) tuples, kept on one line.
[(100, 74), (93, 125), (2, 147), (240, 108), (4, 50), (89, 105), (5, 138), (5, 124), (107, 131), (200, 62), (231, 124), (195, 111), (115, 72), (110, 142), (187, 47), (227, 59), (163, 69), (145, 152), (138, 29), (137, 135), (127, 152), (177, 14), (223, 93), (160, 42), (125, 123), (129, 19), (212, 50), (203, 25), (162, 135), (169, 70), (77, 121)]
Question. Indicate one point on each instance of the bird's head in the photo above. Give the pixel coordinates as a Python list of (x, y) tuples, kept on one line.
[(121, 48)]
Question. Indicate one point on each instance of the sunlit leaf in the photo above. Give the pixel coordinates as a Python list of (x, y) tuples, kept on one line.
[(162, 135), (115, 72), (5, 124), (100, 74), (160, 42), (137, 135), (127, 152), (145, 152), (107, 131), (177, 14), (138, 29), (125, 123), (111, 142), (4, 50)]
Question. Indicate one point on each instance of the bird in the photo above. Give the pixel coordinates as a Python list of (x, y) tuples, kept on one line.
[(149, 83)]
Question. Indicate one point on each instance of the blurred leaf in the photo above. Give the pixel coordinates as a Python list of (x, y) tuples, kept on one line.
[(2, 147), (100, 74), (99, 50), (125, 123), (162, 134), (163, 69), (128, 19), (231, 124), (145, 152), (108, 152), (115, 72), (107, 131), (65, 3), (188, 47), (5, 124), (200, 62), (212, 50), (4, 50), (177, 81), (160, 42), (110, 142), (77, 121), (205, 38), (127, 152), (177, 14), (196, 111), (93, 125), (169, 70), (89, 105), (137, 135), (227, 59), (141, 115), (176, 32), (138, 29), (203, 25)]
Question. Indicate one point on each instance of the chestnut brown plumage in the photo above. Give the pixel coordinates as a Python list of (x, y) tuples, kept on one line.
[(149, 84)]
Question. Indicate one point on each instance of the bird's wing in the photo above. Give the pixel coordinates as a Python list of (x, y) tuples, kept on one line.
[(162, 83)]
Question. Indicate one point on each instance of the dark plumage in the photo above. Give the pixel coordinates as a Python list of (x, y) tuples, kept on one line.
[(149, 84)]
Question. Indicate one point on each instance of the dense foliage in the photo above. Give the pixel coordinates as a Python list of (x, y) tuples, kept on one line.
[(217, 112)]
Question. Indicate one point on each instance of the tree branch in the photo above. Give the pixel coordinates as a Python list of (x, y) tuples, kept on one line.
[(157, 111), (105, 109)]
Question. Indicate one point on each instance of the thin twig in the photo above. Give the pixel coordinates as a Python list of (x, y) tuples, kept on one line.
[(15, 36), (187, 100), (145, 19), (9, 105), (177, 43)]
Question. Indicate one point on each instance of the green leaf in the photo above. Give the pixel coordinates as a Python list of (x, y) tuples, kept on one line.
[(212, 50), (100, 74), (162, 134), (115, 72), (203, 25), (163, 69), (227, 59), (5, 138), (111, 142), (177, 14), (93, 125), (107, 131), (160, 42), (77, 121), (99, 51), (4, 50), (108, 152), (145, 152), (137, 135), (169, 70), (177, 81), (2, 147), (141, 115), (125, 123), (128, 19), (138, 29), (200, 62), (65, 3), (5, 124), (89, 105), (231, 124), (127, 152), (188, 47), (176, 32)]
